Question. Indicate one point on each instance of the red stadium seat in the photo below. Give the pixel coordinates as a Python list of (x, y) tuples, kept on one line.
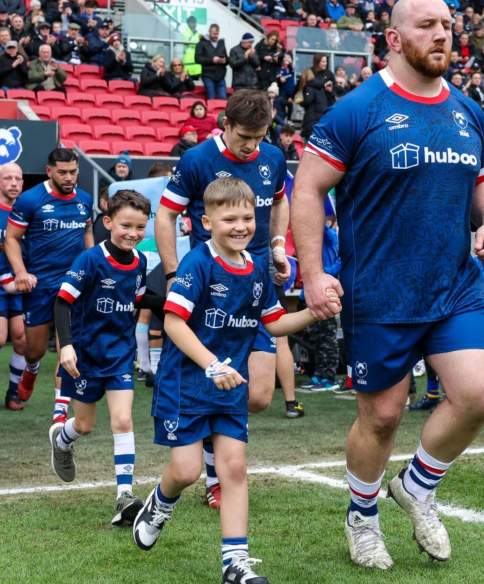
[(51, 98), (108, 132), (164, 133), (68, 68), (138, 102), (94, 85), (214, 106), (79, 99), (120, 87), (68, 143), (109, 100), (96, 116), (166, 104), (157, 149), (126, 117), (22, 94), (156, 119), (141, 134), (42, 111), (76, 132), (177, 118), (72, 84), (69, 115), (95, 147), (88, 71), (187, 102), (134, 148)]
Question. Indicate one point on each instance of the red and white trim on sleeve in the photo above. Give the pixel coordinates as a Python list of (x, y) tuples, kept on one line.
[(480, 178), (7, 278), (179, 305), (272, 314), (335, 163), (68, 293), (140, 293), (278, 195), (18, 223), (173, 201)]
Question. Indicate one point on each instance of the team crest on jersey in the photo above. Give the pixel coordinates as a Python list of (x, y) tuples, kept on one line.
[(139, 277), (218, 290), (171, 426), (81, 208), (265, 172), (257, 291), (77, 275), (361, 370), (108, 283), (223, 174), (80, 385), (48, 208), (176, 177), (461, 122), (185, 281), (10, 144)]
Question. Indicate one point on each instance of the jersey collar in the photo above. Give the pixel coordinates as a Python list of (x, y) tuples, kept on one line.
[(247, 269), (58, 195), (230, 155), (117, 265), (4, 207), (393, 86)]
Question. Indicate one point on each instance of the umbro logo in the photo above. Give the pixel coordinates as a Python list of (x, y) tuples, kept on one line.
[(48, 208), (397, 121), (223, 174), (219, 290), (108, 283)]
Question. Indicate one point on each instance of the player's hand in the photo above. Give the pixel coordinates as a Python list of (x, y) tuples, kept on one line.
[(479, 243), (282, 265), (229, 380), (320, 292), (25, 282), (68, 360)]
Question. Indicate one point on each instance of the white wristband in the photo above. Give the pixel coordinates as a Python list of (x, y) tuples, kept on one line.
[(215, 367), (278, 238), (279, 253)]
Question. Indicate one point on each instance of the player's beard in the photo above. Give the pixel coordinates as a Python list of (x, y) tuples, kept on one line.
[(60, 189), (421, 60)]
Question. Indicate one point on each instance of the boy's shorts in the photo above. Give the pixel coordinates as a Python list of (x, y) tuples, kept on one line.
[(92, 389), (381, 355), (263, 341), (10, 305), (191, 428), (39, 306)]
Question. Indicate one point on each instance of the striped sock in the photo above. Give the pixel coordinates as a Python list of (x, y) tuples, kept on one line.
[(364, 496), (33, 367), (166, 503), (17, 365), (433, 388), (209, 458), (61, 406), (234, 548), (68, 435), (155, 354), (124, 455), (424, 474)]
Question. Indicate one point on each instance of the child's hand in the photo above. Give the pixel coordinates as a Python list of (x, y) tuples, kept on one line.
[(335, 303), (68, 360), (228, 378)]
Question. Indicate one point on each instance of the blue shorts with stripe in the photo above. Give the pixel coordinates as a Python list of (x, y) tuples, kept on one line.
[(91, 389), (10, 304), (263, 341), (381, 355), (39, 306)]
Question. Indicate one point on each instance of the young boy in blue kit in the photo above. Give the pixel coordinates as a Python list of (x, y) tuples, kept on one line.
[(212, 313)]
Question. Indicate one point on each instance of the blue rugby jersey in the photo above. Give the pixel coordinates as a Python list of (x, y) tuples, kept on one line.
[(103, 293), (55, 226), (411, 165), (264, 172), (223, 305), (6, 275)]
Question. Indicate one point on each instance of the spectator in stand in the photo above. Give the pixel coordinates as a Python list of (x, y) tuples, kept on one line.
[(203, 123), (70, 47), (311, 21), (211, 53), (181, 81), (341, 83), (365, 74), (154, 79), (256, 8), (44, 74), (286, 143), (244, 62), (455, 65), (457, 30), (351, 21), (117, 61), (13, 69), (457, 80), (386, 6), (191, 35), (321, 68), (468, 18), (32, 19), (88, 19), (17, 28), (477, 39), (12, 7), (188, 139), (270, 51), (318, 8), (371, 23), (97, 44), (41, 36), (278, 112), (122, 169), (287, 83), (465, 49), (51, 10), (317, 97), (281, 9), (5, 36), (335, 10), (474, 89)]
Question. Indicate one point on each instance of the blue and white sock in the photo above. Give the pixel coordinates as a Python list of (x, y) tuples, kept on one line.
[(166, 503), (17, 365), (67, 435), (155, 354), (33, 367), (424, 474), (233, 548), (364, 497), (124, 456), (61, 405), (209, 458)]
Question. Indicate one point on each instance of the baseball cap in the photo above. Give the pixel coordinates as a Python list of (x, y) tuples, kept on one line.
[(11, 45), (103, 24), (186, 128), (74, 26)]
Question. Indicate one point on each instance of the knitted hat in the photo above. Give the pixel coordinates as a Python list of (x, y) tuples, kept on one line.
[(247, 36), (124, 158), (273, 88)]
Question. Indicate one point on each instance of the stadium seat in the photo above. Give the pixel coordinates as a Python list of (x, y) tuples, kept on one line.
[(72, 84), (95, 116), (126, 117), (166, 104), (285, 23), (134, 148), (88, 71), (120, 87), (68, 115), (187, 102), (164, 133), (94, 85), (214, 106), (78, 99), (68, 143), (76, 132), (22, 94), (157, 149), (109, 100), (95, 147), (156, 119), (138, 102), (178, 118), (51, 98), (141, 134), (68, 68), (108, 132), (2, 93), (42, 111)]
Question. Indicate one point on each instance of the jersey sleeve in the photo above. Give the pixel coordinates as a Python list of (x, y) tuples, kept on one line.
[(22, 212), (272, 309), (480, 177), (281, 177), (89, 205), (75, 280), (188, 286), (182, 185)]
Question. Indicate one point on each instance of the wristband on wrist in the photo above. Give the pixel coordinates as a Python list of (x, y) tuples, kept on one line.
[(278, 238), (170, 275)]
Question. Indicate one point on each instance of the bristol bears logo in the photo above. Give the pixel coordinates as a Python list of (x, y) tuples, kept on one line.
[(81, 209), (80, 386), (361, 370), (265, 173), (257, 291), (171, 427), (10, 145), (461, 122), (139, 277)]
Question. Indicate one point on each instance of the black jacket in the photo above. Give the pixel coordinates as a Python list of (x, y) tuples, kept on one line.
[(289, 153), (315, 103), (268, 69), (12, 78), (244, 70), (180, 148), (178, 86), (113, 69), (152, 84), (204, 54)]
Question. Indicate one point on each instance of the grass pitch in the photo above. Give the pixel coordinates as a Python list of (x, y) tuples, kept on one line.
[(295, 525)]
